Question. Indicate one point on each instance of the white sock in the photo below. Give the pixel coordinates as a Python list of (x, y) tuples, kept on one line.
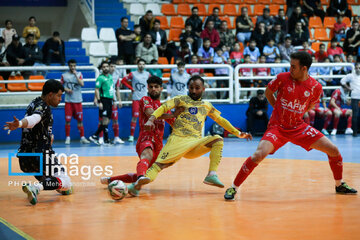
[(234, 186), (39, 187), (211, 173), (83, 137)]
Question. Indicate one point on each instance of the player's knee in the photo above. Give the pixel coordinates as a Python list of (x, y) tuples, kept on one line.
[(164, 165), (333, 150), (105, 121), (258, 156)]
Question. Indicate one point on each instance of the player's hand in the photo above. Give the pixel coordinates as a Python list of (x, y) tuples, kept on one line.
[(246, 135), (52, 139), (119, 105), (178, 110), (101, 106), (12, 125), (149, 125)]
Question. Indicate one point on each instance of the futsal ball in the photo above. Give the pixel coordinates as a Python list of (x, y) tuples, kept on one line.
[(117, 189)]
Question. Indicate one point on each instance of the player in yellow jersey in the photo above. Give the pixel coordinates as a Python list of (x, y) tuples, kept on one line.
[(185, 139)]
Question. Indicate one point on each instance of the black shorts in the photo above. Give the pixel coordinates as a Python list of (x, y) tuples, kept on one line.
[(107, 107)]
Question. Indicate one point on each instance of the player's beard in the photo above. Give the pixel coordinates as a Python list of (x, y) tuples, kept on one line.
[(195, 96), (155, 95)]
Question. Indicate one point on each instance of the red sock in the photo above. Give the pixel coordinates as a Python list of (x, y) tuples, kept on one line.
[(132, 128), (327, 121), (312, 117), (81, 130), (307, 119), (349, 120), (142, 166), (336, 122), (126, 178), (336, 166), (245, 171), (116, 129), (67, 130)]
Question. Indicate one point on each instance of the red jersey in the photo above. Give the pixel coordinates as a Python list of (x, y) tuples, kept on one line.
[(156, 135), (337, 96), (320, 57), (293, 99), (317, 105)]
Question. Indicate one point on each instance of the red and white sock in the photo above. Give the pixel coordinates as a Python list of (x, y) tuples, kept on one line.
[(132, 128), (81, 130), (336, 165), (142, 166), (244, 171)]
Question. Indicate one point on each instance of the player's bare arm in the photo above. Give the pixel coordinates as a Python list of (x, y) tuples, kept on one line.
[(333, 104), (227, 125), (118, 97), (80, 80), (270, 96)]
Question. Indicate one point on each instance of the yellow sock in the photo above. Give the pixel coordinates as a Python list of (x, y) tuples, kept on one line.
[(215, 155), (152, 172)]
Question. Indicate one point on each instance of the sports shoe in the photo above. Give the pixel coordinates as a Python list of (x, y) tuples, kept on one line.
[(83, 140), (349, 131), (132, 191), (325, 132), (67, 192), (94, 139), (230, 194), (67, 140), (345, 189), (141, 181), (101, 141), (214, 181), (333, 132), (107, 142), (105, 180), (131, 138), (31, 192), (118, 140)]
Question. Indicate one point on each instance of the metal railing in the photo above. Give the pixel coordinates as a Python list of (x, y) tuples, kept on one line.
[(238, 78), (90, 7)]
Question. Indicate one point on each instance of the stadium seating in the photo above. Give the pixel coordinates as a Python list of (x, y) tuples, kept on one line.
[(183, 10), (112, 49), (36, 86), (2, 85), (137, 9), (16, 87), (316, 46), (154, 7), (107, 35), (89, 35), (177, 22), (191, 1), (212, 6), (168, 10), (230, 10), (163, 22), (174, 34), (258, 10), (315, 22), (202, 9), (321, 34)]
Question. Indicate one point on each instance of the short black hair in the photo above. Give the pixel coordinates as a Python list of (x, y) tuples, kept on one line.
[(32, 17), (123, 18), (56, 34), (7, 21), (30, 35), (154, 79), (136, 26), (303, 57), (260, 91), (148, 11), (322, 44), (52, 86), (194, 78), (141, 60), (71, 61), (206, 39), (193, 8), (216, 8), (102, 63), (157, 21), (181, 64), (334, 40)]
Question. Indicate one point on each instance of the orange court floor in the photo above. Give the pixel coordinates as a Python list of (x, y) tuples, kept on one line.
[(281, 199)]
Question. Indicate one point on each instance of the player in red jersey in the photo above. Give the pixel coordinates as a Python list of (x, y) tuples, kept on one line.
[(297, 92), (337, 97), (149, 143), (323, 112)]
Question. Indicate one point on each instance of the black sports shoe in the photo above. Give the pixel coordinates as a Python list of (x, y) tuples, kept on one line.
[(230, 194), (345, 189)]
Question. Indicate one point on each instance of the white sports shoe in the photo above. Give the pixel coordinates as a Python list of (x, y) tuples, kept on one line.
[(325, 132), (118, 140), (105, 180), (131, 138), (83, 140), (67, 140), (349, 131), (333, 132), (101, 141)]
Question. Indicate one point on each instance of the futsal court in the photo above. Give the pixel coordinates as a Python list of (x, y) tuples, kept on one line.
[(290, 195)]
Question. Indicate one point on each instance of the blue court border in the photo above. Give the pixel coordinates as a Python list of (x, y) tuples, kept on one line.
[(14, 154)]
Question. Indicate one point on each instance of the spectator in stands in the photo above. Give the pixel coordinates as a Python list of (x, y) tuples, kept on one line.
[(339, 28), (325, 71), (337, 71), (15, 53), (184, 52), (253, 51), (125, 38), (206, 52), (155, 71), (261, 71), (54, 49), (8, 32), (352, 40), (195, 71), (313, 7), (211, 33), (349, 59), (277, 34), (351, 84), (227, 37), (246, 72), (307, 48), (146, 50), (260, 35), (190, 38), (258, 107), (335, 49), (178, 81), (270, 51), (296, 17), (236, 55), (160, 40), (266, 18), (3, 60), (291, 5), (286, 50), (138, 36), (33, 54), (221, 57), (338, 7), (146, 22), (276, 70), (244, 26), (281, 19), (298, 35), (32, 29), (313, 71), (321, 54), (195, 21), (213, 17)]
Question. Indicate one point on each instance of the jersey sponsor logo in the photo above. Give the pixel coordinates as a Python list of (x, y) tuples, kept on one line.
[(193, 110), (271, 135), (292, 105), (289, 89), (179, 86), (306, 93), (139, 86), (146, 102)]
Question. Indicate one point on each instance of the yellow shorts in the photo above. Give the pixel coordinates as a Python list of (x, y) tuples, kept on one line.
[(178, 147)]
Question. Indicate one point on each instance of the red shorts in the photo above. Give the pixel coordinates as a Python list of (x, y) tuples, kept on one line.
[(343, 111), (114, 113), (135, 108), (321, 110), (304, 136), (73, 110), (147, 141)]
